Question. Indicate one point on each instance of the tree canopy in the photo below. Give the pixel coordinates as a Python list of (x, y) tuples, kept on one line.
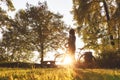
[(98, 23), (33, 29)]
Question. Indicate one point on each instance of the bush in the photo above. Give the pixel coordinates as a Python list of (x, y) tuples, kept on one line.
[(109, 60), (18, 65)]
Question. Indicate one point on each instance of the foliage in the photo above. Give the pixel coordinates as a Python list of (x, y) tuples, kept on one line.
[(109, 59), (33, 29), (97, 20), (46, 28), (4, 18), (5, 21), (59, 74), (8, 3)]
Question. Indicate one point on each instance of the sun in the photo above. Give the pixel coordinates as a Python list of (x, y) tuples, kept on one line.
[(68, 60), (64, 60)]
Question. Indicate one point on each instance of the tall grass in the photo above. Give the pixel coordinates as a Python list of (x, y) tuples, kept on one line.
[(59, 74)]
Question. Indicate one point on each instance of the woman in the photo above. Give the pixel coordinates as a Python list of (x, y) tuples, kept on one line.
[(71, 43)]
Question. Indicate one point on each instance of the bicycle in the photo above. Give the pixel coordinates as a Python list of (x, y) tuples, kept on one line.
[(88, 61)]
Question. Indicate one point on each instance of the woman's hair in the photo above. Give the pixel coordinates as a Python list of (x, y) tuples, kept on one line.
[(72, 32)]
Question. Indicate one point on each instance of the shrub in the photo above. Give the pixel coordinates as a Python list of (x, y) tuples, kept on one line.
[(109, 60)]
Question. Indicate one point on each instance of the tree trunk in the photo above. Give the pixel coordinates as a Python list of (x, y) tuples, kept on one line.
[(42, 53)]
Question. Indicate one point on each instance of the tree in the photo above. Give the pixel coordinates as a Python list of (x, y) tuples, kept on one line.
[(4, 22), (95, 19), (35, 28), (47, 28), (4, 18)]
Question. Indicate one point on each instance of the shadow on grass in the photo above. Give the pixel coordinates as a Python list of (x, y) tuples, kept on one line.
[(4, 78), (91, 75)]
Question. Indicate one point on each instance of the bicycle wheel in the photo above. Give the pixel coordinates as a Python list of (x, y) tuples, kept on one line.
[(59, 59)]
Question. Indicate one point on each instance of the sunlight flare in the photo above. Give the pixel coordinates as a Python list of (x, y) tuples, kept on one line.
[(67, 60)]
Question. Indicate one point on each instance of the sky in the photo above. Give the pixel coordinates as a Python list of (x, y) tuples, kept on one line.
[(57, 6)]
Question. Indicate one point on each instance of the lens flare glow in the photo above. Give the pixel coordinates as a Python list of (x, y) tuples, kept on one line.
[(67, 60), (64, 60)]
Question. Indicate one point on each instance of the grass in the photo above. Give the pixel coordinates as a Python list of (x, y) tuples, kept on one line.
[(59, 74)]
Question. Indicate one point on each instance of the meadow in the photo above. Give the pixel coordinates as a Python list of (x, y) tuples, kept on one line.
[(59, 74)]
